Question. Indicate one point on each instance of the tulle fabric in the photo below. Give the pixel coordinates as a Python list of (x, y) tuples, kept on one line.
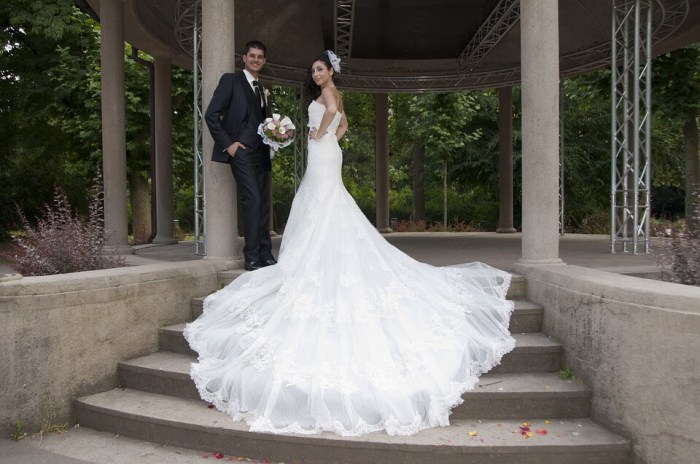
[(346, 333)]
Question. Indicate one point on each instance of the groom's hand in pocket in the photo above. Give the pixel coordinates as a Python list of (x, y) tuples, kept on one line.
[(233, 148)]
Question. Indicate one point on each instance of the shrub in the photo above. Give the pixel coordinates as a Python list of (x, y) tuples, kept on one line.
[(410, 226), (61, 241), (422, 226), (678, 254)]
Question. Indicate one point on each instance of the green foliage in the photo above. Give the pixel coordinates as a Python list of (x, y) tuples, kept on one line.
[(50, 124), (676, 82), (48, 417), (50, 116), (567, 374), (586, 123), (18, 432), (37, 152), (459, 128), (358, 147)]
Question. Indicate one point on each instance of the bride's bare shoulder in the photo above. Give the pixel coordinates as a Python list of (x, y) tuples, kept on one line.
[(332, 99)]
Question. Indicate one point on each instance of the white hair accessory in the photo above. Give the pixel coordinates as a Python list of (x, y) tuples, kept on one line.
[(335, 61)]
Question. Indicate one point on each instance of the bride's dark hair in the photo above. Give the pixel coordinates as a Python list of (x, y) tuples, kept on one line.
[(311, 90)]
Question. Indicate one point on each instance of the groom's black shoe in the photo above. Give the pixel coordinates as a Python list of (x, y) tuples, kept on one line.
[(268, 262), (252, 265)]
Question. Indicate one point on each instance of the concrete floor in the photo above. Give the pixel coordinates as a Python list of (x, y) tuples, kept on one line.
[(86, 446), (445, 248)]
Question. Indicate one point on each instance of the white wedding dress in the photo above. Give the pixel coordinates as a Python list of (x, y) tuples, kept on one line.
[(347, 333)]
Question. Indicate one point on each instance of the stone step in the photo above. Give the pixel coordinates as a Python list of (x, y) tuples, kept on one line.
[(226, 277), (497, 396), (189, 423), (534, 352), (526, 318), (517, 290)]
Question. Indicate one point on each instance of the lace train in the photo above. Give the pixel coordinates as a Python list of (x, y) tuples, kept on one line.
[(346, 333)]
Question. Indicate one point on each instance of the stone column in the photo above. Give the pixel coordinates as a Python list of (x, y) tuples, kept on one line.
[(218, 57), (164, 150), (539, 39), (381, 148), (113, 126), (505, 167)]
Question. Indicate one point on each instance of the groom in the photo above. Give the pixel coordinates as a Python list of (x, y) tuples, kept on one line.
[(233, 116)]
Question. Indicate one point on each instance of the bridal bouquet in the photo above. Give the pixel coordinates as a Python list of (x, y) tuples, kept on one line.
[(277, 131)]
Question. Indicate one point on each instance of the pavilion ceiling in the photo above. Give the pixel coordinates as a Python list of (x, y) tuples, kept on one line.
[(405, 45)]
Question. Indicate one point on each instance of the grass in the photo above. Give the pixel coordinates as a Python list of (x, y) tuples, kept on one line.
[(567, 374), (18, 434)]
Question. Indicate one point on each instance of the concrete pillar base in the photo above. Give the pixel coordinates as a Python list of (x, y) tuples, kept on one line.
[(165, 240), (536, 262), (118, 250), (385, 230), (506, 230), (230, 263)]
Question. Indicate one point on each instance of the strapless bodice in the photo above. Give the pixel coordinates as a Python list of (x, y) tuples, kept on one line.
[(316, 111)]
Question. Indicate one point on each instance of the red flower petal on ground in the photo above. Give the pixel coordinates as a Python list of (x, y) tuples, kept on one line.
[(210, 406), (218, 455), (541, 431)]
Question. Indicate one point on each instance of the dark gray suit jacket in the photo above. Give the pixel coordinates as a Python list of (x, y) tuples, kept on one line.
[(226, 111)]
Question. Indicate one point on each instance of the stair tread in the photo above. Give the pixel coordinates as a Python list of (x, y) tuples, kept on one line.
[(536, 340), (521, 306), (499, 435), (177, 365), (523, 341)]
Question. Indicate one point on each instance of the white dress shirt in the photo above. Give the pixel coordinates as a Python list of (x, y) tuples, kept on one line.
[(250, 78)]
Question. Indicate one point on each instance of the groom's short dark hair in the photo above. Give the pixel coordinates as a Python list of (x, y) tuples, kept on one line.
[(255, 44)]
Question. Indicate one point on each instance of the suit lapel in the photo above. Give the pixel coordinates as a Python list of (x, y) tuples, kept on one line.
[(250, 95)]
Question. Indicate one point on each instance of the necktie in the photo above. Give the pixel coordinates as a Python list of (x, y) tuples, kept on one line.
[(256, 86)]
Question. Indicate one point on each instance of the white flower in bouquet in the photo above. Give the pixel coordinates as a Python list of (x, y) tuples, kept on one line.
[(277, 131)]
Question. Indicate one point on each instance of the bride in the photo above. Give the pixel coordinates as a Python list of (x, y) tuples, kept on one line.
[(346, 333)]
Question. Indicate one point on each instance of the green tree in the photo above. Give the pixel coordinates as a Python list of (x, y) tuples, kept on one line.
[(445, 147), (50, 112), (676, 80), (37, 153)]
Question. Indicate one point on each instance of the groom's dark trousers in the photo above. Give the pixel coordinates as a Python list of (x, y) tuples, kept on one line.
[(251, 170)]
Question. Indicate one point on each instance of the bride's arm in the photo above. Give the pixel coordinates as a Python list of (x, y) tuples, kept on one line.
[(342, 127), (328, 99)]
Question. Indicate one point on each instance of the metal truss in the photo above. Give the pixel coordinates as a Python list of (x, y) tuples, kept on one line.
[(635, 25), (631, 126), (187, 23), (499, 22), (668, 15), (344, 20), (188, 16)]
